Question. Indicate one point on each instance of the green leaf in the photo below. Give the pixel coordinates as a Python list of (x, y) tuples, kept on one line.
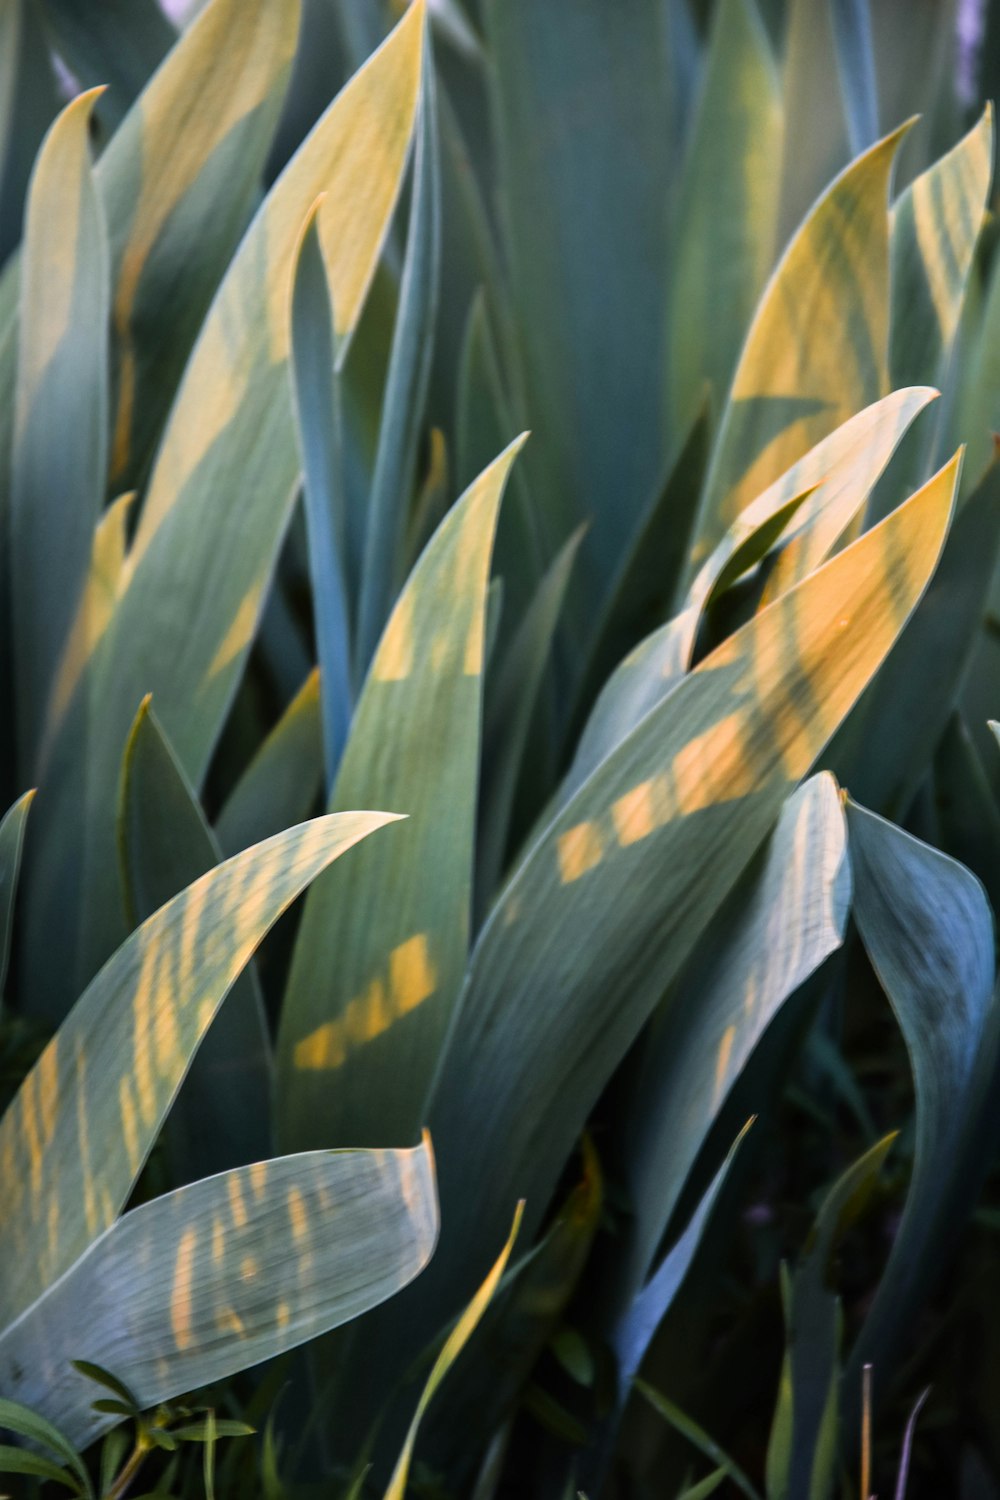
[(928, 931), (317, 400), (802, 1451), (224, 1274), (968, 817), (602, 912), (852, 34), (18, 1461), (11, 844), (697, 1436), (28, 1424), (787, 914), (736, 140), (406, 384), (28, 103), (883, 750), (282, 783), (368, 1002), (572, 84), (935, 227), (74, 1140), (220, 494), (706, 1486), (511, 696), (115, 42), (453, 1346), (221, 1117), (790, 391), (820, 494), (816, 143), (57, 488)]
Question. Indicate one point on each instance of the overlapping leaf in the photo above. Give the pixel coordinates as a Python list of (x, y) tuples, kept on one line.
[(74, 1139), (223, 1274)]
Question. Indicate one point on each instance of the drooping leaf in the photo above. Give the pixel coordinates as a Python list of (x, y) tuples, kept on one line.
[(733, 158), (406, 385), (812, 504), (927, 928), (57, 486), (223, 1274), (221, 492), (315, 385), (368, 1003), (571, 82), (11, 843), (221, 1117), (76, 1136), (791, 390), (602, 912), (282, 783), (453, 1346), (784, 918)]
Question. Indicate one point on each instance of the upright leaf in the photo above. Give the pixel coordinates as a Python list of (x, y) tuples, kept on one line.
[(57, 482), (119, 43), (935, 227), (11, 843), (817, 350), (75, 1138), (221, 1275), (732, 161), (852, 34), (221, 1118), (603, 911), (28, 103), (368, 1002), (928, 930), (282, 783)]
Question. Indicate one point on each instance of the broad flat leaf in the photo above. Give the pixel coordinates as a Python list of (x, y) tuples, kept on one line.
[(221, 490), (927, 928), (511, 696), (784, 918), (802, 1451), (882, 752), (11, 843), (74, 1140), (119, 43), (97, 602), (221, 1117), (852, 34), (57, 486), (453, 1346), (588, 246), (811, 505), (817, 350), (368, 1002), (733, 160), (406, 384), (602, 912), (224, 1274), (317, 399), (282, 783), (28, 104), (935, 226)]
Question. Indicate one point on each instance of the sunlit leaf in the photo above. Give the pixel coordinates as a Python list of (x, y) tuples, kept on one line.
[(74, 1140), (790, 391), (221, 1117), (57, 487), (368, 1003), (223, 1274)]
